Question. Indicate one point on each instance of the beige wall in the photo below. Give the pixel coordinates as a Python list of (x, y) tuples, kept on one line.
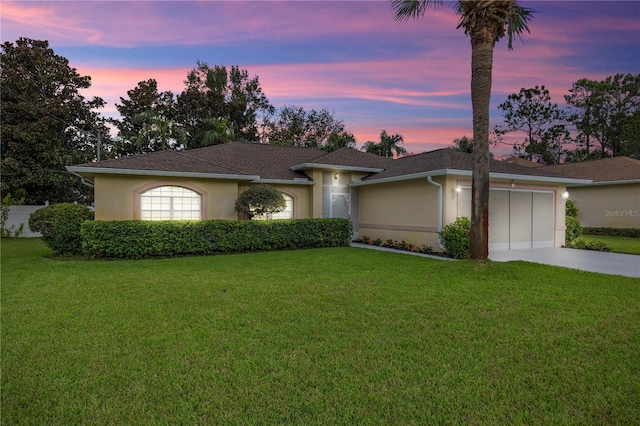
[(406, 210), (115, 196), (115, 199), (614, 206)]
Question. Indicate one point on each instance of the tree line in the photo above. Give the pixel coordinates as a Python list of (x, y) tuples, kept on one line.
[(601, 119), (47, 124)]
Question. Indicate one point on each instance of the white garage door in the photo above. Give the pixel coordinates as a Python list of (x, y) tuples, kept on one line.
[(517, 219)]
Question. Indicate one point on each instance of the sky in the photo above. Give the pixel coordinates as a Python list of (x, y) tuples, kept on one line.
[(349, 57)]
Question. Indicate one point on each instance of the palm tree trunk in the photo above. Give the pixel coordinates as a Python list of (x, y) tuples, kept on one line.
[(482, 43)]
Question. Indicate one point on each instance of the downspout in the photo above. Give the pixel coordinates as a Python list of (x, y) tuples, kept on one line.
[(432, 182), (83, 180)]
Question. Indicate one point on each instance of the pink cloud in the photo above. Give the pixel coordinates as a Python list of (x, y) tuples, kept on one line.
[(148, 23)]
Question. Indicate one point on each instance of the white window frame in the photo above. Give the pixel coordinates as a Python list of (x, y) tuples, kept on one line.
[(170, 202)]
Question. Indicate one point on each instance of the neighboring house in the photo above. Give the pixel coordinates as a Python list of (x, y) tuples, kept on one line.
[(409, 199), (612, 199)]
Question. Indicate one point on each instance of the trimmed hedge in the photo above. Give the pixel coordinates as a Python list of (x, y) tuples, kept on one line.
[(140, 239), (612, 232), (60, 225)]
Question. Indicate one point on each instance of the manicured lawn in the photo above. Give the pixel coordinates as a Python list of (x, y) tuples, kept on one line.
[(328, 336), (618, 244)]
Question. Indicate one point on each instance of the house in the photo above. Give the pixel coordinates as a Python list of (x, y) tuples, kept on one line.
[(409, 199), (612, 199)]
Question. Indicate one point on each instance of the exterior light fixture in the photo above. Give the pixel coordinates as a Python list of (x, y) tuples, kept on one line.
[(565, 195), (456, 192)]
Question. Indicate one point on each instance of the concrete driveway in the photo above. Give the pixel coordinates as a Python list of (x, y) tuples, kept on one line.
[(585, 260)]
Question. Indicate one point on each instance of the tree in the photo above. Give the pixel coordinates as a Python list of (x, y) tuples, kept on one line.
[(606, 113), (147, 121), (486, 22), (46, 124), (294, 126), (387, 147), (215, 97), (463, 144), (543, 123), (259, 200)]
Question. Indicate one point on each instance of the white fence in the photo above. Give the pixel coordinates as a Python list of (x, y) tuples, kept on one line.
[(20, 215)]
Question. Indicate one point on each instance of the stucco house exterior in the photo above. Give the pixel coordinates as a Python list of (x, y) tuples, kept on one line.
[(409, 199), (613, 197)]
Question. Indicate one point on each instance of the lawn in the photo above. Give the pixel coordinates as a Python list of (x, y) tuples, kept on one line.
[(327, 336), (618, 244)]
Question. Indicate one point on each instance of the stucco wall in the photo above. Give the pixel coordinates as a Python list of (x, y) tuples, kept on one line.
[(406, 210), (615, 206), (115, 200)]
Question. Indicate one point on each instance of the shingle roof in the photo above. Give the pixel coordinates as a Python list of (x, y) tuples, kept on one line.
[(449, 159), (271, 162), (522, 162), (165, 161), (603, 170), (349, 157)]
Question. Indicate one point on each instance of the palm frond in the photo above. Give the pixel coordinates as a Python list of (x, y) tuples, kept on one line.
[(412, 9), (517, 23)]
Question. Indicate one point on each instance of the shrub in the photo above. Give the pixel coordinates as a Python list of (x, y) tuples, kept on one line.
[(570, 209), (139, 239), (5, 205), (583, 244), (455, 237), (574, 230), (394, 244), (259, 200), (60, 225), (613, 232)]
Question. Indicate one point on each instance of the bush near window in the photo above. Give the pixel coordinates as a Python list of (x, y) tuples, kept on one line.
[(612, 232), (455, 237), (140, 239), (60, 225), (258, 200)]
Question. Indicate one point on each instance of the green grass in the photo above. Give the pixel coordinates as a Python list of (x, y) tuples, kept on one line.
[(327, 336), (617, 244)]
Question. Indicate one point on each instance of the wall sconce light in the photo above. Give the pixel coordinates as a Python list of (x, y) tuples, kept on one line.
[(565, 195), (456, 192), (335, 176)]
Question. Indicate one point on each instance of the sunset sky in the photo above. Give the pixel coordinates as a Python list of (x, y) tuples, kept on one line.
[(350, 57)]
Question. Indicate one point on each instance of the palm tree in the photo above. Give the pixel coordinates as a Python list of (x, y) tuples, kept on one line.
[(388, 146), (486, 22)]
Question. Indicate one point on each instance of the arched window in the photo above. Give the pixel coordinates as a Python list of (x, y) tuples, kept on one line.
[(287, 213), (170, 203)]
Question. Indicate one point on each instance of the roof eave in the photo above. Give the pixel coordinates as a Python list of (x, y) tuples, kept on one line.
[(307, 166), (105, 170), (458, 172), (296, 181), (608, 182), (531, 178), (400, 178)]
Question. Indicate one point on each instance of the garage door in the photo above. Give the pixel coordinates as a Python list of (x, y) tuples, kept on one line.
[(517, 219)]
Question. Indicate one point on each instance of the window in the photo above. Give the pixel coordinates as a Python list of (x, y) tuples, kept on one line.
[(287, 213), (170, 203)]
